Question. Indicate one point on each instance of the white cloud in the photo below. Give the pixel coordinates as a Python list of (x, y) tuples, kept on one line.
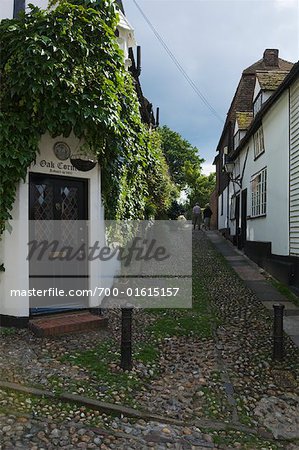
[(6, 9), (207, 168), (283, 4), (213, 45)]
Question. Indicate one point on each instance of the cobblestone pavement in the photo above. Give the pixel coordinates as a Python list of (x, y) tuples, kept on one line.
[(226, 377), (28, 433)]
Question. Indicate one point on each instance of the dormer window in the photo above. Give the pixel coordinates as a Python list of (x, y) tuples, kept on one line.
[(258, 142), (242, 123), (267, 81)]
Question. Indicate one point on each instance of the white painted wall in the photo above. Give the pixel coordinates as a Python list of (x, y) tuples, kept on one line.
[(274, 226), (294, 169), (14, 248), (222, 218), (126, 37), (257, 89), (13, 251)]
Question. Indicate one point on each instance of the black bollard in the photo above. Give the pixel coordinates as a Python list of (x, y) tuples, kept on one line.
[(278, 332), (126, 339)]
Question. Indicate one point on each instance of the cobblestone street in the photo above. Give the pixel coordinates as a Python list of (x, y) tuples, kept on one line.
[(207, 371)]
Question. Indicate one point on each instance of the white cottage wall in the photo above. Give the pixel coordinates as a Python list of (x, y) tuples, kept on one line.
[(14, 246), (13, 251), (294, 169), (274, 226), (222, 208)]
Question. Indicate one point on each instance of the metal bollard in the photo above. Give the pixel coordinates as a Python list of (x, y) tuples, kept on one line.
[(126, 339), (278, 351)]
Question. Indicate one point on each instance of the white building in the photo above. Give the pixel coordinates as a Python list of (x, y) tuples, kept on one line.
[(237, 121), (263, 188), (53, 190)]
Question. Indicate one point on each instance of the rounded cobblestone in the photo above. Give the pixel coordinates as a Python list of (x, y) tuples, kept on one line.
[(194, 378)]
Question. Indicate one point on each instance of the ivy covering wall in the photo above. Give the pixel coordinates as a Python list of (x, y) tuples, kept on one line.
[(63, 70)]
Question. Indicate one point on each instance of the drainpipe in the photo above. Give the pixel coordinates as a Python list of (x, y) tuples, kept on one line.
[(229, 144), (227, 210)]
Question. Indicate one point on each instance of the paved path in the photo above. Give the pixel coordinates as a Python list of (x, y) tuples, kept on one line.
[(251, 274)]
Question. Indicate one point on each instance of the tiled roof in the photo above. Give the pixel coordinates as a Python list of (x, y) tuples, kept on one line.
[(270, 81), (261, 65), (243, 98), (242, 101), (244, 119), (256, 122)]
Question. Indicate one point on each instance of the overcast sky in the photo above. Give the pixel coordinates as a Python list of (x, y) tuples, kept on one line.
[(213, 41)]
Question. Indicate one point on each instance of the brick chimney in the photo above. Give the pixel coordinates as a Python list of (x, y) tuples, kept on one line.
[(270, 57)]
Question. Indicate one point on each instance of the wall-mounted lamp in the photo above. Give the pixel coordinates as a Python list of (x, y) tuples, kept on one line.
[(229, 169)]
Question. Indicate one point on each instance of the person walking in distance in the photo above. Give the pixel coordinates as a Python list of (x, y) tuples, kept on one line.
[(196, 216), (207, 213)]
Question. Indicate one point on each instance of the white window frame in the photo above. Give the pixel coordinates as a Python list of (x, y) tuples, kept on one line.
[(258, 142), (259, 194), (258, 102), (232, 213), (221, 200), (237, 139)]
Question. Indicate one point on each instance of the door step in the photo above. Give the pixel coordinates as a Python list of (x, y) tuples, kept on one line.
[(66, 323)]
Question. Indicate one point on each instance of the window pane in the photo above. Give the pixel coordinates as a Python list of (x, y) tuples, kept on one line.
[(258, 195)]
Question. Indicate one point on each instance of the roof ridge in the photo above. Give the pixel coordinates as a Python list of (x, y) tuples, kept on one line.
[(272, 71), (285, 60), (261, 61)]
